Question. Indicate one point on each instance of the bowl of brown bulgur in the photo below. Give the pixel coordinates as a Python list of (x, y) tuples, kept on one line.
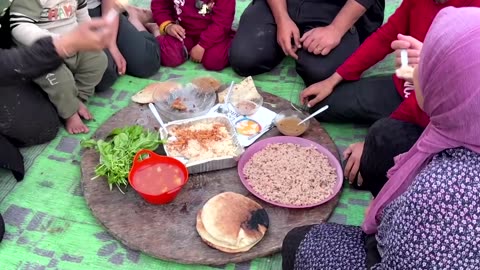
[(290, 172)]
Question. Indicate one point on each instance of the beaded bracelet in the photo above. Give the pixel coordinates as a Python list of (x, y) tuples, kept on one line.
[(163, 27)]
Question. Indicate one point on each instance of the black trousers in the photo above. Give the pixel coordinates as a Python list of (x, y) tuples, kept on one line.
[(386, 139), (26, 118), (364, 101), (139, 48), (255, 49)]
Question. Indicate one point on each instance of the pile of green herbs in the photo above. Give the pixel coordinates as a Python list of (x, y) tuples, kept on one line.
[(118, 150)]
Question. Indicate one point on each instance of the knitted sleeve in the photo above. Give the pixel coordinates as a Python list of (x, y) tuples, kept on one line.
[(82, 11), (24, 16)]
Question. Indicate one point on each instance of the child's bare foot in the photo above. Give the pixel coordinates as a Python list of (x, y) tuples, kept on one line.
[(74, 125), (84, 112), (153, 29)]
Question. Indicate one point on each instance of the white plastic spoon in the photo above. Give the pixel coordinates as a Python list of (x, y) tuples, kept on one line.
[(182, 159), (324, 108)]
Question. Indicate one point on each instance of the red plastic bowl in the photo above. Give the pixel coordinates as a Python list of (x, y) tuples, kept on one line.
[(153, 159)]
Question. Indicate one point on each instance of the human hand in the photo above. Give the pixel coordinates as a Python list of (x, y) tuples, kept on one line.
[(93, 35), (413, 47), (118, 58), (286, 31), (175, 31), (321, 40), (196, 54), (319, 90), (353, 154)]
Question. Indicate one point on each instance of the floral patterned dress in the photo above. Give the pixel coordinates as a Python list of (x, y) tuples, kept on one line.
[(435, 224)]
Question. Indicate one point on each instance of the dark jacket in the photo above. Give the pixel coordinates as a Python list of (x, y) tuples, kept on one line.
[(18, 66)]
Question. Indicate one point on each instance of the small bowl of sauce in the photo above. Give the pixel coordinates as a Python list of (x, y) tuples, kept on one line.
[(287, 123), (157, 179)]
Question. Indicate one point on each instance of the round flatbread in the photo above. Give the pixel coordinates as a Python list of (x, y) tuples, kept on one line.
[(207, 84), (154, 92), (245, 90), (232, 223)]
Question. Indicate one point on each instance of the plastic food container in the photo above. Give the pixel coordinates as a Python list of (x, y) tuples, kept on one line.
[(186, 101), (247, 107), (151, 164), (213, 164), (287, 123)]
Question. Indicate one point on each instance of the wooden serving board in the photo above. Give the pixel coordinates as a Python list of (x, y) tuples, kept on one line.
[(168, 231)]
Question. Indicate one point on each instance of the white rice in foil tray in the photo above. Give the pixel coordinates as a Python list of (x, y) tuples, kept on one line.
[(208, 143)]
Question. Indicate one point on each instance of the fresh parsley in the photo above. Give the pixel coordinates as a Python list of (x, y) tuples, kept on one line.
[(118, 150)]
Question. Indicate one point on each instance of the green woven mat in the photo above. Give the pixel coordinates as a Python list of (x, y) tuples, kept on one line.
[(48, 223)]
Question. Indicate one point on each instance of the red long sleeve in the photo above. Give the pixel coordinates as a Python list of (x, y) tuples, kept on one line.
[(409, 111), (378, 45), (162, 11), (222, 17)]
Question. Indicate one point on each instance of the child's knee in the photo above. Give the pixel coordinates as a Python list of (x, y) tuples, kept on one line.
[(93, 63), (215, 63), (172, 52), (101, 62)]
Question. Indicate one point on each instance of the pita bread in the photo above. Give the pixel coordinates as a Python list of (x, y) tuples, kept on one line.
[(245, 90), (232, 223), (154, 92), (207, 84)]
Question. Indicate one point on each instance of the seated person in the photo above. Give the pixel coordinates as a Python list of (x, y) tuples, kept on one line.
[(366, 100), (319, 35), (201, 30), (74, 82), (368, 162), (26, 115), (133, 50), (426, 216)]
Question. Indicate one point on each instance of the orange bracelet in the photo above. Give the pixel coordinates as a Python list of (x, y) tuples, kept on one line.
[(163, 27)]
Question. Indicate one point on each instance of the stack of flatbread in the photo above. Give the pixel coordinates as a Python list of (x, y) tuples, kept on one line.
[(154, 92), (245, 90), (232, 223), (159, 91)]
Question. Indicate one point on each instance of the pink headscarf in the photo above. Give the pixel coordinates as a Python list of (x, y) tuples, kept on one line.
[(449, 76)]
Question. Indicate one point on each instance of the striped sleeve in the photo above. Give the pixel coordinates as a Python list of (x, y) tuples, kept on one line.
[(82, 11), (24, 17)]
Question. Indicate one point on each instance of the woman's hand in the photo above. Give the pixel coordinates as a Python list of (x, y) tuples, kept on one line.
[(286, 31), (175, 31), (196, 54), (93, 35), (413, 47), (117, 56), (319, 91), (353, 154)]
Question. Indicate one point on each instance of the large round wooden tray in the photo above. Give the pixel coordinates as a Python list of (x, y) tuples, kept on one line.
[(168, 231)]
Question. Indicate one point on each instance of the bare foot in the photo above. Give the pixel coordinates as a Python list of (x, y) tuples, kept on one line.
[(74, 125), (84, 112), (141, 14), (153, 29)]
